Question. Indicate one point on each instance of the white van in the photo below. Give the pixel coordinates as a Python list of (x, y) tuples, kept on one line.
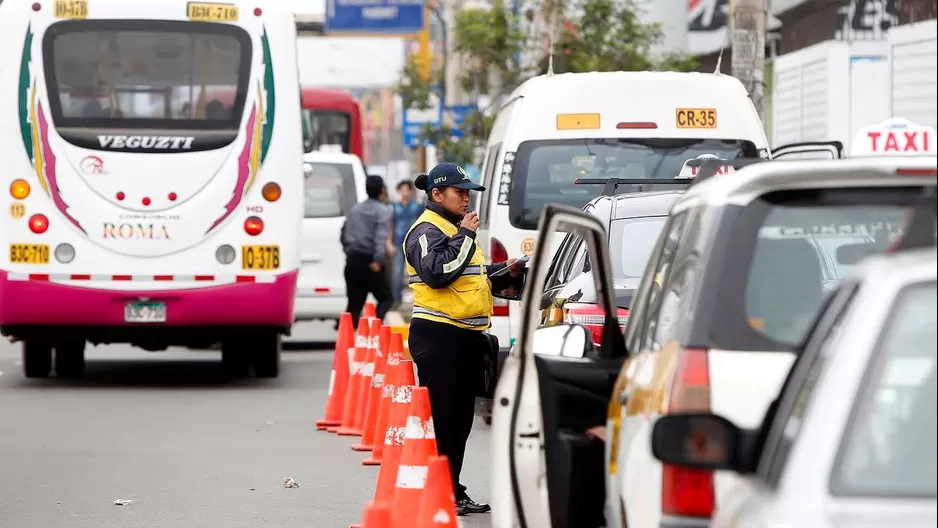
[(334, 183), (555, 129)]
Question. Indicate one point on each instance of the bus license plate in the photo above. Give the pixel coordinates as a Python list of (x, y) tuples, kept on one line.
[(260, 257), (29, 254), (145, 312), (696, 118), (74, 9), (211, 12)]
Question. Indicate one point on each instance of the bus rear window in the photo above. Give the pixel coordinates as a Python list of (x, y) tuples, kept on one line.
[(544, 171), (131, 74), (329, 128)]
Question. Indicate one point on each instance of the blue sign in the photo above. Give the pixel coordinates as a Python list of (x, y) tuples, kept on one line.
[(458, 114), (415, 119), (386, 17)]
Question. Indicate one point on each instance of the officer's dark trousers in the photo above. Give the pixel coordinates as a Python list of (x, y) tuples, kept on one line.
[(450, 365), (359, 281)]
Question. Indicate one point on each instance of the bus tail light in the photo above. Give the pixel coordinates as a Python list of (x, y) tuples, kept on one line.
[(253, 226), (271, 192), (499, 254), (688, 491), (19, 189), (38, 223), (592, 317), (225, 254), (64, 253)]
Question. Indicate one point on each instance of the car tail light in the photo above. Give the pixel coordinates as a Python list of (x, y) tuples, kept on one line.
[(498, 253), (916, 172), (38, 223), (592, 317), (686, 491), (253, 226)]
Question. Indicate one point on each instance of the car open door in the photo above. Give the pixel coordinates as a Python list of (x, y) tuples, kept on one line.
[(809, 150), (548, 472)]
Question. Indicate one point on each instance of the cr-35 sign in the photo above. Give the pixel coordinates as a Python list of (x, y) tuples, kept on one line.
[(895, 137)]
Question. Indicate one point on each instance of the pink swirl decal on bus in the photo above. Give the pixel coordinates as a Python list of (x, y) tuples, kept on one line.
[(48, 165), (244, 169)]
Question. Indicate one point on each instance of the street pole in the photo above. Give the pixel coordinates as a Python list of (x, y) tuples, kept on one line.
[(747, 38), (426, 67)]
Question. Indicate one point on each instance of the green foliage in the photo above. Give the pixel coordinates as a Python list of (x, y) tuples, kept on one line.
[(603, 35), (414, 91)]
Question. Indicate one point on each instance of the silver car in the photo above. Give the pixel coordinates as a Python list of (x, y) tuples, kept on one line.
[(853, 437)]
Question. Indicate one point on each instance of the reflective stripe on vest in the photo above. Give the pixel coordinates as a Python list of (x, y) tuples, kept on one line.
[(474, 321), (470, 270)]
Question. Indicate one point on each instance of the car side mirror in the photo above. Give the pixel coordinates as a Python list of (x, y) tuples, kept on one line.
[(570, 341), (702, 441), (514, 293)]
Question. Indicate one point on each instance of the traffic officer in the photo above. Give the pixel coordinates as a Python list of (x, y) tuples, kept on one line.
[(452, 308)]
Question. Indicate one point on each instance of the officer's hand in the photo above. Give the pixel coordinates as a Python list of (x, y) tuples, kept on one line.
[(375, 266), (470, 221), (515, 267)]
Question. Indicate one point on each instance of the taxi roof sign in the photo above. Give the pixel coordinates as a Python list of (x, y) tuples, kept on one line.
[(690, 169), (895, 137)]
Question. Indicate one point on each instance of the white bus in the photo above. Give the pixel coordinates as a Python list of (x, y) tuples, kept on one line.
[(142, 209)]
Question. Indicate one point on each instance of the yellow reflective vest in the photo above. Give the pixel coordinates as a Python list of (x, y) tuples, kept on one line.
[(467, 301)]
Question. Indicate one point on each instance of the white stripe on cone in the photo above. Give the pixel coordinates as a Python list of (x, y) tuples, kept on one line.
[(412, 477), (331, 382)]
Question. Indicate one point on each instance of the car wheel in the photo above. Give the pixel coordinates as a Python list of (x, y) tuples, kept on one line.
[(265, 355), (37, 359), (234, 358), (70, 360)]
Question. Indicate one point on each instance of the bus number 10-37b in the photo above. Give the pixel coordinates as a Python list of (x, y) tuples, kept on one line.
[(260, 257)]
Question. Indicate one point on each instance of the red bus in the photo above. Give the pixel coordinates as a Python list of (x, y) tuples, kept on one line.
[(333, 118), (330, 117)]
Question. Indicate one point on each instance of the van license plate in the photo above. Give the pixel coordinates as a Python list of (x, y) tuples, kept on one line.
[(29, 254), (74, 9), (260, 257), (145, 312), (696, 118), (211, 12)]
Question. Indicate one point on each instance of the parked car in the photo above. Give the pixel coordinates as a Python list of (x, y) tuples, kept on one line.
[(853, 434)]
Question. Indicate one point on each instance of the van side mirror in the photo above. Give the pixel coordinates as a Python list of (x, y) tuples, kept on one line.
[(514, 293)]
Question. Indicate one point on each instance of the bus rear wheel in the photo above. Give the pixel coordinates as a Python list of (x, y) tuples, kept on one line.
[(70, 359), (265, 355), (37, 359)]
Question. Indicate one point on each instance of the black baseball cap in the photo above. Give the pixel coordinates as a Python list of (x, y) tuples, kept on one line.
[(451, 175)]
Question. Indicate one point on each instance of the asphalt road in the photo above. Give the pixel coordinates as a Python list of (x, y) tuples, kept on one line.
[(187, 448)]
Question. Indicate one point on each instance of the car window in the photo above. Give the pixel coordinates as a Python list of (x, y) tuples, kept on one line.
[(330, 190), (554, 273), (631, 242), (788, 249), (890, 448)]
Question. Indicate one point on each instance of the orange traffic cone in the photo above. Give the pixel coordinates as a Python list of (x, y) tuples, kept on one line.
[(373, 396), (377, 515), (438, 506), (368, 373), (393, 378), (419, 446), (338, 380), (394, 435), (369, 310), (355, 380)]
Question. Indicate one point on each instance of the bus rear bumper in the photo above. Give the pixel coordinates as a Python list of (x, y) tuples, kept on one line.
[(53, 304)]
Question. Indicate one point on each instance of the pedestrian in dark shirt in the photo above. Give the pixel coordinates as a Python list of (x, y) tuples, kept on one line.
[(406, 212), (365, 241)]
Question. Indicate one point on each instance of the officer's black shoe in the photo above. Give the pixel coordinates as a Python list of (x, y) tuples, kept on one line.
[(465, 505)]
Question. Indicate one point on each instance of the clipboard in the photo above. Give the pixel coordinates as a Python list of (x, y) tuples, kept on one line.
[(504, 270)]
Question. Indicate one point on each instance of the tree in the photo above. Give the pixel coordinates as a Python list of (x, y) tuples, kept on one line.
[(591, 35)]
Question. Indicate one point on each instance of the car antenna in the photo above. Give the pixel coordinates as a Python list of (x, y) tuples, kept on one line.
[(726, 38), (550, 53)]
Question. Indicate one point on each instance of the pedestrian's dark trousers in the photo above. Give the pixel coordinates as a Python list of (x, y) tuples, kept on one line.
[(360, 281), (450, 365)]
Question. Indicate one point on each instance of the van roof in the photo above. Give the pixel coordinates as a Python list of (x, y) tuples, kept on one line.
[(331, 157), (644, 81), (748, 183)]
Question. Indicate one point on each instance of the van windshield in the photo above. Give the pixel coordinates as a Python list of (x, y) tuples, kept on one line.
[(121, 74), (544, 171), (329, 128)]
